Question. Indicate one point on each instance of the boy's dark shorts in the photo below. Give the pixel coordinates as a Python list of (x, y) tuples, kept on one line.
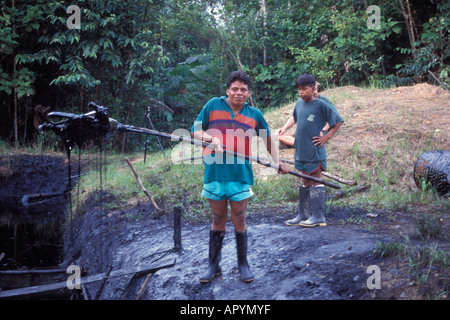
[(310, 167)]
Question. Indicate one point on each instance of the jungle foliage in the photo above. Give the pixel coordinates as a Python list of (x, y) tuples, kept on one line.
[(180, 52)]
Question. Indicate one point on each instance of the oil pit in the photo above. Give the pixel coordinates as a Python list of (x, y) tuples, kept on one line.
[(33, 210)]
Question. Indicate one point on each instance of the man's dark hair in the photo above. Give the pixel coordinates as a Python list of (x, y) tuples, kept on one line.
[(306, 80), (239, 76)]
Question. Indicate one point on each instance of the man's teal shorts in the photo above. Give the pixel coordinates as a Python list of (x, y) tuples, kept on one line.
[(234, 191)]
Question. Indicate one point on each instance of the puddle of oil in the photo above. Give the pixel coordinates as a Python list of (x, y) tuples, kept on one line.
[(30, 237), (32, 211)]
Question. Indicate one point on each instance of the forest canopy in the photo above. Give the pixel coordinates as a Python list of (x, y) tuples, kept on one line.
[(60, 55)]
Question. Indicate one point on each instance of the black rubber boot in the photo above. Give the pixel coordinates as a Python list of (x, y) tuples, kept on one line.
[(303, 207), (241, 246), (215, 254), (317, 195)]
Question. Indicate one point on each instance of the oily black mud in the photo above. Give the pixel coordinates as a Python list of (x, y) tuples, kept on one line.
[(287, 262)]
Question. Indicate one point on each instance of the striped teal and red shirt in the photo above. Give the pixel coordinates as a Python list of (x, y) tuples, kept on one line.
[(236, 132)]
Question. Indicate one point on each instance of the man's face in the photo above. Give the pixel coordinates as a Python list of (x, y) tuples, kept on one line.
[(306, 92), (238, 93)]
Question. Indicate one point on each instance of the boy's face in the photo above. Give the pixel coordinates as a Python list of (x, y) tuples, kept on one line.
[(238, 93), (306, 93)]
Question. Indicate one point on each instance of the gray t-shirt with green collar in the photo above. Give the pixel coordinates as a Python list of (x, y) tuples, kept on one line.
[(311, 117)]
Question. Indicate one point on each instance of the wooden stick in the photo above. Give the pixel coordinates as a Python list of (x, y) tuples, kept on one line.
[(161, 104), (339, 179), (85, 292), (329, 175), (98, 277), (443, 85), (344, 193), (324, 173), (142, 186), (143, 286), (99, 292)]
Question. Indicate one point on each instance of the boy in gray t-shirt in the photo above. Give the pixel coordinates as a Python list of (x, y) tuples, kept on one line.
[(288, 138), (311, 115)]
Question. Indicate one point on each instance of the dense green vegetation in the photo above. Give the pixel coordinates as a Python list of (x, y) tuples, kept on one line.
[(180, 52)]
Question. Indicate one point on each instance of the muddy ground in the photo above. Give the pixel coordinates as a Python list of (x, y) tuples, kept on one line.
[(289, 263)]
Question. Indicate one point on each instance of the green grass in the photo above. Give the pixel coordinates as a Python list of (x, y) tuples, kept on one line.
[(422, 249)]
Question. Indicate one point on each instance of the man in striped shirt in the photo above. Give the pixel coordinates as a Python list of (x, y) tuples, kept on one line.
[(230, 122)]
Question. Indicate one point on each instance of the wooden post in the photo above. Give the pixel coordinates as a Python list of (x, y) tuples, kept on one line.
[(177, 229)]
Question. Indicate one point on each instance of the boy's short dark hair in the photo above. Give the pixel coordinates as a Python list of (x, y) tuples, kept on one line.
[(306, 80), (239, 76)]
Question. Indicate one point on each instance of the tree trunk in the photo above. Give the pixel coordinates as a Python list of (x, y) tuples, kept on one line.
[(408, 20), (16, 129), (264, 14), (81, 100)]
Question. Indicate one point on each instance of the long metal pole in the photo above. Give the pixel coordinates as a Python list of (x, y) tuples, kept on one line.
[(122, 128)]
